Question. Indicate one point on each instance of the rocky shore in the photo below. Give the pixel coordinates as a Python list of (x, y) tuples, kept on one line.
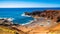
[(46, 22)]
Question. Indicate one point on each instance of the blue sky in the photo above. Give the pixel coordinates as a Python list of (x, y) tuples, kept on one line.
[(29, 3)]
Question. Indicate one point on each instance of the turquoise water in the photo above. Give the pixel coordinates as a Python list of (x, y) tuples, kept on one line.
[(17, 12)]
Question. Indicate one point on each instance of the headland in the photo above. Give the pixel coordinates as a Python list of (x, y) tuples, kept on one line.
[(45, 22)]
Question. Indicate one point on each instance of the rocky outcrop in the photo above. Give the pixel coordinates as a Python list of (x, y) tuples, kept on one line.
[(49, 14), (47, 21), (5, 22)]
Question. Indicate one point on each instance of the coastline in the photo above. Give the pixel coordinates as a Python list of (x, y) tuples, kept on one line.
[(28, 22), (38, 26)]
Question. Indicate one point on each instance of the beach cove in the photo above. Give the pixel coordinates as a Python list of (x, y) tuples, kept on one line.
[(16, 14), (42, 23)]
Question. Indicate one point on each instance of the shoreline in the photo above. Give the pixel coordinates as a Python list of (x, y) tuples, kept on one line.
[(38, 25), (11, 20), (28, 22)]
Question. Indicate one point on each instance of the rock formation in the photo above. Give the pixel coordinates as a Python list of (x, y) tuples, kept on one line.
[(49, 14), (47, 22)]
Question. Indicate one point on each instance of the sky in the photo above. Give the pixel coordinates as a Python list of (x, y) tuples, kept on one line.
[(29, 3)]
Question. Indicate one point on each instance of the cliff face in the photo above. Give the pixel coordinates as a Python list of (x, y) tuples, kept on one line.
[(49, 14), (50, 17)]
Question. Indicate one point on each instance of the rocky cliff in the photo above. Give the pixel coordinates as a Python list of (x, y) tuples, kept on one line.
[(49, 14), (47, 22)]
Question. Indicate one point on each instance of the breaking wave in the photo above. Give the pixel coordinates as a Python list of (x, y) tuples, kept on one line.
[(9, 19), (23, 14)]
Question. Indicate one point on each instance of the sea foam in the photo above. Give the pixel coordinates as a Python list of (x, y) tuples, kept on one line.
[(9, 19), (28, 22), (23, 14)]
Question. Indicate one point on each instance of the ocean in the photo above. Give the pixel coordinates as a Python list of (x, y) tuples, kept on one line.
[(16, 14)]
